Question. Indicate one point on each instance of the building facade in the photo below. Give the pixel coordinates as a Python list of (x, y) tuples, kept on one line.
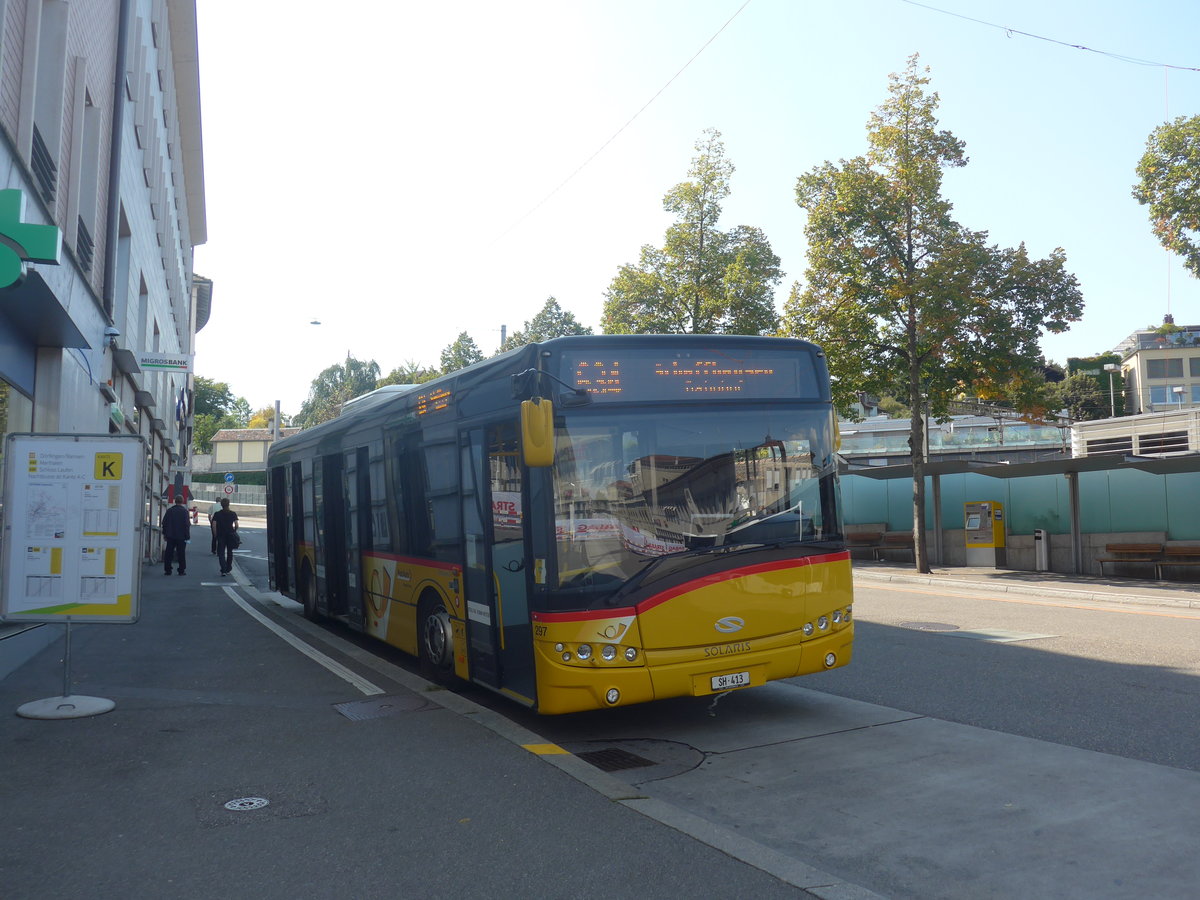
[(1161, 368), (100, 142)]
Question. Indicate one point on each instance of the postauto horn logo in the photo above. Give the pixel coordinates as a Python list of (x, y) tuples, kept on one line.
[(729, 624)]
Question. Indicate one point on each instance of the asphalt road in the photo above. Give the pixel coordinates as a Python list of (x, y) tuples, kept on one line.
[(1106, 677), (979, 745)]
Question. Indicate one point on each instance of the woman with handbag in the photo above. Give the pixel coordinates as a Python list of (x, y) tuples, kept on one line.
[(225, 524)]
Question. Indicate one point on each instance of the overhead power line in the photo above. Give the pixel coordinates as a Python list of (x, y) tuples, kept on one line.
[(1038, 37), (617, 133)]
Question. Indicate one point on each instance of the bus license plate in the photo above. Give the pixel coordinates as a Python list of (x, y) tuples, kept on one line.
[(732, 680)]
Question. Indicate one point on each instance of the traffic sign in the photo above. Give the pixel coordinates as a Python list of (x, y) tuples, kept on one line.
[(229, 488), (229, 478)]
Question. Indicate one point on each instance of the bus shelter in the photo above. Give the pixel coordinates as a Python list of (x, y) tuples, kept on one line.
[(1082, 496)]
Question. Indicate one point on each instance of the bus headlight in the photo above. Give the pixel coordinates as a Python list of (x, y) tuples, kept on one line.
[(823, 622), (584, 651), (837, 616), (613, 695), (830, 660), (559, 648), (631, 653), (608, 653), (848, 609), (567, 656), (808, 629)]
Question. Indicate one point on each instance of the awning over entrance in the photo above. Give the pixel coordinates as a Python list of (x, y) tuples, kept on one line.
[(34, 311)]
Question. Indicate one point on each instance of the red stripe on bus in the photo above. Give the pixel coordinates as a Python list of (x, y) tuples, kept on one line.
[(414, 561), (695, 584)]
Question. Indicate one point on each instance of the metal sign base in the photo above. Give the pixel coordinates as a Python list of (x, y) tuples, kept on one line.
[(68, 706), (71, 707)]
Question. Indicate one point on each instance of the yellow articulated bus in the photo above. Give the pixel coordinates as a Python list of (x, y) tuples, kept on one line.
[(583, 523)]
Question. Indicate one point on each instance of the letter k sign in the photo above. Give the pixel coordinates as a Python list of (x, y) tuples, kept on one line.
[(21, 242)]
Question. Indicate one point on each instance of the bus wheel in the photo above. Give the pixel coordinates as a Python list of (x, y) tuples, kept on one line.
[(308, 595), (437, 641)]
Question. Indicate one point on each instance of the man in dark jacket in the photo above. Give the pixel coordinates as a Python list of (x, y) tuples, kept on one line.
[(225, 524), (176, 530)]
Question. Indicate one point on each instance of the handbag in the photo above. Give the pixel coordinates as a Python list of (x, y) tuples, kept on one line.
[(234, 541)]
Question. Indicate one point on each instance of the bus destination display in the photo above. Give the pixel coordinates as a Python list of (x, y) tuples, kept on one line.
[(647, 375)]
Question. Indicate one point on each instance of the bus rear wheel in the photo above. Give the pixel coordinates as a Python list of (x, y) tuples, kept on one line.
[(437, 641)]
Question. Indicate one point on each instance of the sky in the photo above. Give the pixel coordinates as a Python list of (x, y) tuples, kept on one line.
[(411, 171)]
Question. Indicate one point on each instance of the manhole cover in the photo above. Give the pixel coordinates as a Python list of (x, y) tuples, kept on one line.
[(929, 626), (614, 759), (242, 804)]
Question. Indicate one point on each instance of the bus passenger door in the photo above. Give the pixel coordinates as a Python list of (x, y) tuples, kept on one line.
[(510, 562), (357, 528), (329, 489), (483, 648)]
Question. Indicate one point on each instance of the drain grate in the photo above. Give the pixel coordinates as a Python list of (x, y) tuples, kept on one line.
[(929, 626), (379, 707), (614, 759)]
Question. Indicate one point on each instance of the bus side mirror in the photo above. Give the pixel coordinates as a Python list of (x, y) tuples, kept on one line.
[(537, 433)]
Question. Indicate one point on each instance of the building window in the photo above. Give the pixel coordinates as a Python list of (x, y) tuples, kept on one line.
[(1164, 368), (1194, 366), (1196, 393)]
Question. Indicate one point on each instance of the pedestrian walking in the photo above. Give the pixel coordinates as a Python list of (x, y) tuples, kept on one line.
[(176, 531), (212, 511), (225, 526)]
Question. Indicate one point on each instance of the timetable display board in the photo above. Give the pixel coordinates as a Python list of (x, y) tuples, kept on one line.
[(73, 509), (693, 374)]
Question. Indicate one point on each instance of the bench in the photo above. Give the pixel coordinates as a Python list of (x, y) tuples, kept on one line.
[(866, 541), (901, 541), (1177, 556), (1144, 554)]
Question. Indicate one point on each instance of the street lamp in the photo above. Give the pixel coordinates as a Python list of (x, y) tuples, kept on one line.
[(1111, 369), (1178, 392)]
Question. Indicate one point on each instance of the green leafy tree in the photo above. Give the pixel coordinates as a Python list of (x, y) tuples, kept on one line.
[(551, 322), (333, 387), (703, 280), (462, 353), (409, 372), (1081, 396), (906, 301), (1168, 184), (214, 407)]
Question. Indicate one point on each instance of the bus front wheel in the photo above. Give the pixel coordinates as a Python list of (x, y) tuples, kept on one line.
[(437, 641), (308, 595)]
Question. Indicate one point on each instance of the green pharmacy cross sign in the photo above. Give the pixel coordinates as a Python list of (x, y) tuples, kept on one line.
[(21, 242)]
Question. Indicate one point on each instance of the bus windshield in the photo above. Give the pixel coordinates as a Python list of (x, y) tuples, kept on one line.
[(634, 487)]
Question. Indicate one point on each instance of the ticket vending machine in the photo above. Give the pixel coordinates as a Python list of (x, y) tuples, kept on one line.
[(984, 524)]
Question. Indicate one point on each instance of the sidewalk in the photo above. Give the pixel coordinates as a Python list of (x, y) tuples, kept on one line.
[(1043, 584), (376, 784)]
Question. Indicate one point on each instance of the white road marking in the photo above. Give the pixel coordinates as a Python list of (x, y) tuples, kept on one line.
[(312, 653)]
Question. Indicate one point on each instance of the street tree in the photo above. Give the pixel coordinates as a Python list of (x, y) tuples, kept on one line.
[(702, 280), (1082, 396), (551, 322), (333, 387), (460, 354), (214, 407), (409, 372), (906, 301), (1168, 184)]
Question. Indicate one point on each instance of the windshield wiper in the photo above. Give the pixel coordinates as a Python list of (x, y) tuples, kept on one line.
[(640, 576)]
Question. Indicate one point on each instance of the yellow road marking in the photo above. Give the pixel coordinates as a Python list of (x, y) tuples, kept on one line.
[(546, 749)]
